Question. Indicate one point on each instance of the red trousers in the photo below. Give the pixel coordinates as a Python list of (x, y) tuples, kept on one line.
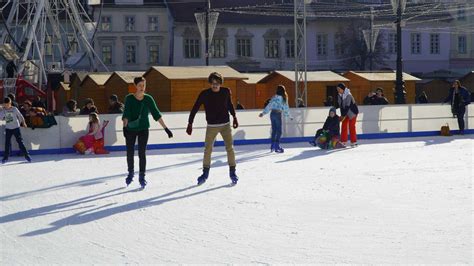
[(351, 123)]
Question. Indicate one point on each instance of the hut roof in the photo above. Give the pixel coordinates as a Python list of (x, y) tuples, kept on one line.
[(126, 76), (467, 75), (98, 78), (383, 76), (65, 86), (254, 78), (312, 76), (197, 72)]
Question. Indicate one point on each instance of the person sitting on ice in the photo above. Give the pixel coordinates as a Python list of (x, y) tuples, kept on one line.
[(87, 143), (328, 136)]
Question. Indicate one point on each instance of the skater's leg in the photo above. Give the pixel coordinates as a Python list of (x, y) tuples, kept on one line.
[(226, 134), (352, 129), (211, 134), (273, 120), (8, 143), (21, 145), (461, 112), (130, 139), (142, 142), (344, 126)]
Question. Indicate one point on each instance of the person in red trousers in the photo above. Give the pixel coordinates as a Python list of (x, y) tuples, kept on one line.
[(349, 112)]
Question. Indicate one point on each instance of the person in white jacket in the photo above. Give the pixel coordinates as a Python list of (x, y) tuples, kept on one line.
[(14, 120)]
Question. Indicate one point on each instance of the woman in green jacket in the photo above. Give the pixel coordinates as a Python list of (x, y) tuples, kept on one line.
[(135, 125)]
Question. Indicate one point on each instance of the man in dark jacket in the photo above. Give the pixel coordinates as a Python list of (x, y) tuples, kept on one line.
[(89, 107), (115, 107), (459, 97), (379, 98), (369, 98)]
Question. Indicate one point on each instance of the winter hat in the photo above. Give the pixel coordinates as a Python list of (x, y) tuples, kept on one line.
[(332, 109), (341, 85)]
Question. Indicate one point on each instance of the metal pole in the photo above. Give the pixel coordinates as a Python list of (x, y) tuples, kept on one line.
[(207, 31), (371, 51), (399, 94)]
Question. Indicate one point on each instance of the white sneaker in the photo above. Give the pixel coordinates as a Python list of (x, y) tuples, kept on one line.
[(353, 145)]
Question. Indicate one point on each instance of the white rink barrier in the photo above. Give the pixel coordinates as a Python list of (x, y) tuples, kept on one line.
[(372, 122)]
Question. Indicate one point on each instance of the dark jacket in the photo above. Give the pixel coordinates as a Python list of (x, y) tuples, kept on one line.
[(369, 100), (379, 100), (332, 125), (422, 99), (465, 98), (116, 108)]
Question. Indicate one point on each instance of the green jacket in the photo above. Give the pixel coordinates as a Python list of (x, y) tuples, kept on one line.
[(133, 107)]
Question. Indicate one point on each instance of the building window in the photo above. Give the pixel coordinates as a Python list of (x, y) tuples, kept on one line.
[(416, 43), (107, 54), (153, 23), (461, 13), (392, 43), (192, 48), (154, 54), (290, 48), (322, 44), (244, 47), (434, 43), (131, 54), (218, 48), (338, 44), (129, 23), (462, 44), (272, 48), (106, 24)]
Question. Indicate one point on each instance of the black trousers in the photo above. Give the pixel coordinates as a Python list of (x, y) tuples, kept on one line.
[(460, 115), (130, 139), (8, 141)]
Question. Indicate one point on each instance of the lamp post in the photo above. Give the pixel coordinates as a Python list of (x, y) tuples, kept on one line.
[(399, 83)]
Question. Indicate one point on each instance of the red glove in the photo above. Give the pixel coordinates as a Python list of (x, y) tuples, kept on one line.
[(235, 123), (189, 129)]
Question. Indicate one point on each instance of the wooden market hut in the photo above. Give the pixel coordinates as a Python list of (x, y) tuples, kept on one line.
[(468, 81), (93, 86), (64, 95), (250, 90), (320, 85), (362, 82), (76, 79), (176, 88), (121, 84)]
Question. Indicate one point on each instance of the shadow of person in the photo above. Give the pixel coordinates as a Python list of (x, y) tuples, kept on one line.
[(307, 154), (102, 212)]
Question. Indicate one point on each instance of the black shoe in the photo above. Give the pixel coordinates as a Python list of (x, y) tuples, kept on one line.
[(233, 176), (28, 158), (4, 160), (129, 179), (142, 181), (205, 174)]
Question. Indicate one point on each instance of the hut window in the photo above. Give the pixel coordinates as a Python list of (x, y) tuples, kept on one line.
[(462, 44), (218, 48), (322, 44), (153, 23), (392, 43), (129, 23), (434, 43), (131, 54), (107, 54), (290, 48), (244, 47), (272, 48), (154, 54), (106, 23), (192, 48), (416, 43)]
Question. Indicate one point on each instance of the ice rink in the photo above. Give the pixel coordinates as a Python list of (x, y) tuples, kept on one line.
[(386, 201)]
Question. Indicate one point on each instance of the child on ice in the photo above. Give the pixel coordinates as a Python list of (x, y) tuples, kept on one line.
[(328, 136), (14, 120)]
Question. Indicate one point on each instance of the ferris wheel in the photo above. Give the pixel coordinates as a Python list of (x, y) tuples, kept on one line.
[(50, 35)]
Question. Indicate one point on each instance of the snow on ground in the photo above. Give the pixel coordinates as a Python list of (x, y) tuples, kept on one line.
[(387, 201)]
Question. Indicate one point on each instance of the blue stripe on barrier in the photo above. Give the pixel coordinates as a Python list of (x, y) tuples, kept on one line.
[(251, 142)]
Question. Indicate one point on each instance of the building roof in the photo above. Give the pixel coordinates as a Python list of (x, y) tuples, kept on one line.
[(98, 78), (65, 86), (78, 75), (467, 75), (196, 72), (311, 76), (383, 76), (126, 76), (254, 78)]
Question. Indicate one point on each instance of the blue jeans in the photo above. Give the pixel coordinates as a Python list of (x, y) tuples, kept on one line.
[(8, 142), (275, 118)]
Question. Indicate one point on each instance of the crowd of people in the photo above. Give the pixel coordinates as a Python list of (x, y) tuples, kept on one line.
[(218, 106)]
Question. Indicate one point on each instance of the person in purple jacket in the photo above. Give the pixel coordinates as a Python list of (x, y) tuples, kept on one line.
[(217, 103)]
